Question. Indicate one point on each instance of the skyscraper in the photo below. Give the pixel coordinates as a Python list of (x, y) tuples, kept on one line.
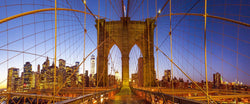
[(69, 71), (86, 79), (12, 80), (61, 72), (167, 75), (217, 80), (27, 71), (44, 75), (33, 80), (92, 65)]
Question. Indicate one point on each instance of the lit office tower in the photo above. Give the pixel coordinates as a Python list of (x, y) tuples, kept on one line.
[(61, 72), (27, 71), (68, 74), (76, 68), (44, 75), (12, 80), (33, 80), (92, 64), (62, 64)]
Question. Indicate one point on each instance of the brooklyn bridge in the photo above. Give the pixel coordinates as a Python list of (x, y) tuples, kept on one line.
[(124, 51)]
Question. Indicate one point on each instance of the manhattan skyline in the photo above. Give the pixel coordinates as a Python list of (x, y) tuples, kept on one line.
[(30, 38)]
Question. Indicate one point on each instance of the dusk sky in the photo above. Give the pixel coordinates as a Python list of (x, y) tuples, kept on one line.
[(31, 37)]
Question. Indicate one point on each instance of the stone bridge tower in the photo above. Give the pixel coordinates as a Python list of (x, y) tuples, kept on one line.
[(125, 34)]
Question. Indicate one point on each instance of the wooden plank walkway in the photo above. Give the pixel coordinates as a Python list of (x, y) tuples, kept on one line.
[(125, 96)]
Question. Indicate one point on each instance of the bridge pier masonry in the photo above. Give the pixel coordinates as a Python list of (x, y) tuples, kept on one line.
[(125, 34)]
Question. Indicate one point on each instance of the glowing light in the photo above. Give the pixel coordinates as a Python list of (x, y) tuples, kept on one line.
[(84, 2), (159, 11), (101, 100)]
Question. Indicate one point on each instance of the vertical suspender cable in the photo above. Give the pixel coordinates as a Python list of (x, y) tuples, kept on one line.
[(170, 33), (205, 47), (156, 32), (84, 44), (98, 26), (55, 53)]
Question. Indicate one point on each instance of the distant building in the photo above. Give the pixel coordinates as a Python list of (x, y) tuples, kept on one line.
[(74, 78), (92, 80), (86, 78), (69, 71), (61, 72), (167, 75), (22, 81), (112, 80), (77, 68), (117, 76), (44, 78), (140, 72), (33, 80), (217, 80), (27, 76), (38, 68), (62, 64), (12, 79), (50, 76), (92, 65), (135, 79), (37, 80), (44, 75)]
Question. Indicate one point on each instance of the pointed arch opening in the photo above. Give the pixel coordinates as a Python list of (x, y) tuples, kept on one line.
[(135, 65), (114, 66)]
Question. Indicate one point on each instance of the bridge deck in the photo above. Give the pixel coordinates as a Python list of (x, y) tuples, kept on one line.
[(125, 96)]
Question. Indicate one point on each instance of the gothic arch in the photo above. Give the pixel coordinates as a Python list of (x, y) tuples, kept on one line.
[(125, 34)]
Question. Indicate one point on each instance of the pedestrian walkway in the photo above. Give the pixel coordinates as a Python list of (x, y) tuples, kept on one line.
[(125, 96)]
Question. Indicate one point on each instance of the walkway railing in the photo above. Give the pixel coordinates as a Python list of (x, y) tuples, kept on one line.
[(16, 98), (97, 97), (157, 97)]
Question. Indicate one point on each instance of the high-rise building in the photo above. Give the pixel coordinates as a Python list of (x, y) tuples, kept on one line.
[(19, 84), (22, 81), (77, 68), (38, 68), (12, 80), (68, 73), (92, 65), (44, 75), (86, 79), (33, 80), (37, 80), (135, 78), (167, 75), (27, 76), (112, 80), (61, 72), (217, 80), (50, 76), (140, 72), (61, 64), (80, 80)]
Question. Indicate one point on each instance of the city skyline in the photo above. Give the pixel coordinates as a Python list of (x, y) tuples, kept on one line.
[(43, 78), (124, 51), (222, 56)]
